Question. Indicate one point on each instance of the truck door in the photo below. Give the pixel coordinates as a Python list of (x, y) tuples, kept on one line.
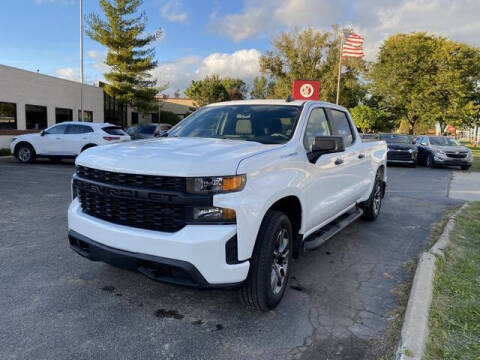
[(355, 167), (327, 182)]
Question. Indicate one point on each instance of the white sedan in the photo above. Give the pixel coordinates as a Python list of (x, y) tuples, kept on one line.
[(65, 140)]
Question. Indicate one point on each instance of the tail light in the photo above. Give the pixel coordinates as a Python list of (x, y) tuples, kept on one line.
[(110, 138)]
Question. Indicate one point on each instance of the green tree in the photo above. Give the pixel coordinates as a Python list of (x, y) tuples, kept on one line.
[(236, 88), (453, 90), (128, 56), (313, 55), (176, 94), (208, 90), (366, 118), (426, 79), (262, 88)]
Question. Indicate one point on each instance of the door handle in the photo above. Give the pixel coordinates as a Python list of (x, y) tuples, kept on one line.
[(361, 156), (338, 161)]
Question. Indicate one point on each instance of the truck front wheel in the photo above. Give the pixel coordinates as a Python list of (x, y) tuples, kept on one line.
[(270, 264)]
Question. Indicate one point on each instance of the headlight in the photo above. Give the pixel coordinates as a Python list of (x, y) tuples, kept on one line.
[(412, 150), (216, 184), (440, 152)]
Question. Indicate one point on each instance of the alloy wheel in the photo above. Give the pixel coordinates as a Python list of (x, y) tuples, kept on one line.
[(377, 197), (24, 154), (281, 251)]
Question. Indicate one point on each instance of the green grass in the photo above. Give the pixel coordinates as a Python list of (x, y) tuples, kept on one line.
[(455, 311), (5, 152), (475, 153)]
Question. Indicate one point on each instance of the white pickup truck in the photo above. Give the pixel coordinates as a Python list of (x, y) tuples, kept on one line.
[(229, 196)]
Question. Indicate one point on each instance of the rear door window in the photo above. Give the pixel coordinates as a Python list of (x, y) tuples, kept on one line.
[(341, 126), (114, 130), (78, 129)]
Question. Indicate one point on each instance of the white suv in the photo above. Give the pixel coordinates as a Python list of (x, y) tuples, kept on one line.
[(65, 140)]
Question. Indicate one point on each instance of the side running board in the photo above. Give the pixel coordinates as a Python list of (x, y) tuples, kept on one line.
[(319, 237)]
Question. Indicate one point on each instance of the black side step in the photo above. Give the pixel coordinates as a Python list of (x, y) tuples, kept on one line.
[(319, 237)]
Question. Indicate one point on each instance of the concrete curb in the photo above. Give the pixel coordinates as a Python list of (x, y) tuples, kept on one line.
[(414, 333)]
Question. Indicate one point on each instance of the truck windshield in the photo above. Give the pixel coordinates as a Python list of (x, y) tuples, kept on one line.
[(396, 139), (266, 124)]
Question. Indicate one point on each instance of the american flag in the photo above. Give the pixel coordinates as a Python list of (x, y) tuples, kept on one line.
[(352, 46)]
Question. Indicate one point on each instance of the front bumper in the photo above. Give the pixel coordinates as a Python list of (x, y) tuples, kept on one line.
[(197, 250), (447, 161)]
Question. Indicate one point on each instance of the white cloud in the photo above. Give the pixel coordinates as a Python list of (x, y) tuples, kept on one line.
[(65, 2), (173, 11), (374, 19), (266, 17), (68, 73), (93, 54), (243, 64)]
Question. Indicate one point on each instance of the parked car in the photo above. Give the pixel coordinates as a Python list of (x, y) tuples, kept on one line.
[(227, 198), (65, 140), (145, 131), (401, 149), (369, 137), (442, 150)]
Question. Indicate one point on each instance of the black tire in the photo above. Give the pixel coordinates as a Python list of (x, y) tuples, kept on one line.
[(429, 162), (465, 167), (270, 264), (371, 207), (25, 153)]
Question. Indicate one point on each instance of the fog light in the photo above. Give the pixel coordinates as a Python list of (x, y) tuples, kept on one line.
[(213, 214)]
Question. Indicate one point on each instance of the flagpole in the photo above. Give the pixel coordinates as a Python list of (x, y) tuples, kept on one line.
[(339, 65), (81, 61)]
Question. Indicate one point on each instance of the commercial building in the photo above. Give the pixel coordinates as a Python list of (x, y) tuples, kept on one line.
[(30, 102)]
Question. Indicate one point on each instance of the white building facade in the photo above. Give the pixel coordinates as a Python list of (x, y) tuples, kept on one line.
[(31, 102)]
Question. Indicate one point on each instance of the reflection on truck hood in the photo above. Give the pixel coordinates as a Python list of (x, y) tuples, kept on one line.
[(173, 156)]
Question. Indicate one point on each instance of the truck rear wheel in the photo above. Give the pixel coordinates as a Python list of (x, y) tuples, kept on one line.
[(270, 264), (371, 207)]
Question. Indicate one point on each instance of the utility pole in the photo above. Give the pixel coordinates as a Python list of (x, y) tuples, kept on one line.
[(81, 61), (339, 66)]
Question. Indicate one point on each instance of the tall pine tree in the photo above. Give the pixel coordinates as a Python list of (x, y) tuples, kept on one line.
[(129, 57)]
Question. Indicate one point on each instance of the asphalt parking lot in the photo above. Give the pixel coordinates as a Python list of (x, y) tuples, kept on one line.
[(56, 305)]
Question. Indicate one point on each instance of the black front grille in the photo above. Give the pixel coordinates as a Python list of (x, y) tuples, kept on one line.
[(138, 213), (170, 183), (456, 155), (399, 155)]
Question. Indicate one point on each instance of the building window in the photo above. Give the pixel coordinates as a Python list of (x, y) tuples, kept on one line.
[(8, 115), (87, 115), (36, 117), (62, 115), (134, 118)]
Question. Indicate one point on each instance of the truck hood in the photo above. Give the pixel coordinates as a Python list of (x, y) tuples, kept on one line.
[(173, 156)]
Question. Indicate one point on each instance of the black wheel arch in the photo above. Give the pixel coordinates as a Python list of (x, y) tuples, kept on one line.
[(88, 146), (20, 143), (292, 208)]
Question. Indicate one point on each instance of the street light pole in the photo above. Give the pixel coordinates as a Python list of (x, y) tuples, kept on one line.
[(81, 61)]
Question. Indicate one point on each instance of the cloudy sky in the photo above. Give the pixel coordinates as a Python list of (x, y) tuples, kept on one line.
[(219, 36)]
